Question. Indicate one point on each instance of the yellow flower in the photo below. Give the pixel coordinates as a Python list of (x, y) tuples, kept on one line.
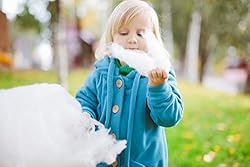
[(231, 150), (217, 148), (236, 164), (188, 135), (233, 138), (187, 147)]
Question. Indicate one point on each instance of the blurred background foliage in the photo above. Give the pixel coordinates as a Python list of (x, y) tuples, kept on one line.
[(209, 40)]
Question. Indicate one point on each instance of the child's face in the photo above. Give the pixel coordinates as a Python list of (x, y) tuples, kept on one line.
[(130, 36)]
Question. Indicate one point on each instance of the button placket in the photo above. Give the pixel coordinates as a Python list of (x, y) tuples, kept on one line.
[(119, 83), (115, 108)]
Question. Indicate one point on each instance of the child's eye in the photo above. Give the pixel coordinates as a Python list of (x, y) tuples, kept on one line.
[(140, 34), (123, 33)]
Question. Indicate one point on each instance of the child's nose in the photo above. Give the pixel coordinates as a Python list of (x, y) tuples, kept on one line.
[(132, 39)]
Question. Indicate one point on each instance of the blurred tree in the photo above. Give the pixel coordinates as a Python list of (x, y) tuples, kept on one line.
[(166, 19), (223, 19), (4, 40), (220, 19), (246, 28), (220, 26), (181, 14), (5, 56), (58, 41), (192, 47), (26, 21), (53, 8)]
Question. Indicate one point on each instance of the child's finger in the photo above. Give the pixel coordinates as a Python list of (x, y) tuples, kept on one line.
[(159, 73), (150, 74), (154, 74), (164, 74)]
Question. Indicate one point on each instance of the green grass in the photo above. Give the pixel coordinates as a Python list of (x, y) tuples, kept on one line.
[(9, 79), (214, 131)]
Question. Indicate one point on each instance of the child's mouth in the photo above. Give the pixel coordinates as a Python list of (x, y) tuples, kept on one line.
[(133, 48)]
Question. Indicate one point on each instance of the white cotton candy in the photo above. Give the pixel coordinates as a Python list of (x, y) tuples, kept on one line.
[(42, 125), (138, 60), (159, 54), (156, 57)]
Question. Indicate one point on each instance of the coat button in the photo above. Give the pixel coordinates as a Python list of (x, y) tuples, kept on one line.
[(114, 164), (119, 83), (115, 108)]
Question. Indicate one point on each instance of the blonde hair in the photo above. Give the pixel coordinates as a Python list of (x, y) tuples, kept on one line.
[(122, 15)]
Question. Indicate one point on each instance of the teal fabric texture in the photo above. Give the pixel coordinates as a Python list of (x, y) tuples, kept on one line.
[(133, 110)]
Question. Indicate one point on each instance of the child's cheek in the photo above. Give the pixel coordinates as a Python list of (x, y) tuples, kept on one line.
[(145, 48)]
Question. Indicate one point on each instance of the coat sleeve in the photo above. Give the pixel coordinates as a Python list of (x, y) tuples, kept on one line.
[(165, 102), (87, 96)]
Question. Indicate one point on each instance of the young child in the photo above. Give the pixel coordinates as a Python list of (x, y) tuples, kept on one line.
[(135, 107)]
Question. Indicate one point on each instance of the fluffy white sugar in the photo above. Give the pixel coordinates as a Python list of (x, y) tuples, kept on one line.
[(137, 59), (156, 57), (42, 125), (158, 53)]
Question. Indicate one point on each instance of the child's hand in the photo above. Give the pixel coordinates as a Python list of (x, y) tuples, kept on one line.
[(157, 77), (88, 124)]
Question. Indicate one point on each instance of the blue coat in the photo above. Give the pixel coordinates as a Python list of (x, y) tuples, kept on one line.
[(133, 111)]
